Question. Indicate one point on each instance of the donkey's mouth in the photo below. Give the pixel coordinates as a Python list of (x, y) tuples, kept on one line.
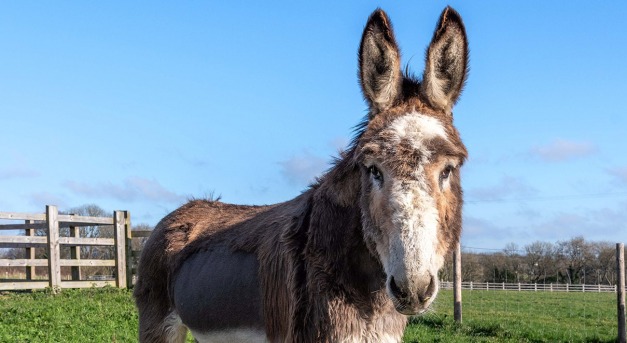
[(411, 308), (412, 304)]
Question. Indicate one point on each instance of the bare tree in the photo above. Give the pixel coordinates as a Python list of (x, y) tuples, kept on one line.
[(472, 268), (605, 263), (539, 260), (573, 256), (511, 249), (514, 263)]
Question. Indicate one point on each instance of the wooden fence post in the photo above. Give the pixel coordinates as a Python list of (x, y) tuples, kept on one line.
[(54, 252), (129, 249), (30, 252), (620, 290), (457, 283), (75, 253), (120, 248)]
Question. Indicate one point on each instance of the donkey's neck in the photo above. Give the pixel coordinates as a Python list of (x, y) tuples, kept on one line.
[(336, 241), (345, 280)]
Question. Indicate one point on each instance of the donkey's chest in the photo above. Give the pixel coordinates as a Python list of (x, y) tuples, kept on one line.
[(349, 324), (370, 335)]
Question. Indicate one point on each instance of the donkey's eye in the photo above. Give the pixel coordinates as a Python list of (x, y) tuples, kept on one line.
[(446, 173), (376, 174)]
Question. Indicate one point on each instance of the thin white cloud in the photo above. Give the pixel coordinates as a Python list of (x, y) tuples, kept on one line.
[(192, 160), (18, 173), (611, 218), (302, 169), (598, 224), (483, 233), (563, 150), (619, 173), (474, 227), (605, 224), (562, 225), (508, 187), (131, 189), (40, 199)]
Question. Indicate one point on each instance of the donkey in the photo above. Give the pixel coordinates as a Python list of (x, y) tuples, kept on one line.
[(351, 257)]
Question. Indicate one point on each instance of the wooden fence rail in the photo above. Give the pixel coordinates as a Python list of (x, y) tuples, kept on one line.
[(51, 222)]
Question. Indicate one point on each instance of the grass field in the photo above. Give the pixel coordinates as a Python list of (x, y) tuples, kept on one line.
[(509, 316), (108, 315), (88, 315)]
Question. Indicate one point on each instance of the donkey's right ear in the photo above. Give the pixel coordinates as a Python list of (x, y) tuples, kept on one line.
[(379, 64)]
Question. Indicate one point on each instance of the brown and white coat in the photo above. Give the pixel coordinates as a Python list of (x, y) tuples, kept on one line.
[(349, 258)]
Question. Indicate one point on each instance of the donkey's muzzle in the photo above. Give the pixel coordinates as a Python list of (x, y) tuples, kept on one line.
[(410, 302)]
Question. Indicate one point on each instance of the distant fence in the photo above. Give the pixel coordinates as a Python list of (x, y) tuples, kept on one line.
[(619, 289), (124, 261), (529, 287)]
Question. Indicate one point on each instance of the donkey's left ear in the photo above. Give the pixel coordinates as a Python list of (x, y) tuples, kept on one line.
[(446, 67)]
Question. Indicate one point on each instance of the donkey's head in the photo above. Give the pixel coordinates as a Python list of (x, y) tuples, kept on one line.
[(410, 154)]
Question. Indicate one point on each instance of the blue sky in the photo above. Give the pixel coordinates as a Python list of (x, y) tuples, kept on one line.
[(141, 106)]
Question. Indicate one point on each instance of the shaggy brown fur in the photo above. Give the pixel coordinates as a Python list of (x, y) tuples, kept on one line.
[(320, 275)]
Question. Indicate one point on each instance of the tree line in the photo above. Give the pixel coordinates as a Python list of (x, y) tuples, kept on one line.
[(573, 261)]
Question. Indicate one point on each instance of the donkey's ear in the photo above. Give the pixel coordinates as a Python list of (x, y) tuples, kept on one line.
[(379, 63), (446, 67)]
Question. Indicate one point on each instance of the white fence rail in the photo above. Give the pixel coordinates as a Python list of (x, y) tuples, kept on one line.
[(530, 287)]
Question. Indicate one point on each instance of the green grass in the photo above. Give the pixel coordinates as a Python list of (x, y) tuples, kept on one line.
[(88, 315), (506, 316), (109, 315)]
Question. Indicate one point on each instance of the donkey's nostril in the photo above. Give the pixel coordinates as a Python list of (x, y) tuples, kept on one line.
[(429, 291), (397, 291)]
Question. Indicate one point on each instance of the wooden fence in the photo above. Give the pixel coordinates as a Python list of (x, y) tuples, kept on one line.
[(134, 253), (51, 222)]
